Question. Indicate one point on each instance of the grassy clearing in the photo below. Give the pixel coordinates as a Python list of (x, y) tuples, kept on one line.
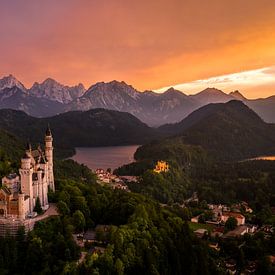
[(194, 226)]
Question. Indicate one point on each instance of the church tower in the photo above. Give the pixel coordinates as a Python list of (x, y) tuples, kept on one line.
[(49, 156)]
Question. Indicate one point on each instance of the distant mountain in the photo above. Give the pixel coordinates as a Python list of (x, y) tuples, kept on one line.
[(150, 107), (227, 131), (51, 98), (54, 91), (17, 99), (97, 127), (113, 96), (237, 95), (264, 107), (211, 95), (10, 82)]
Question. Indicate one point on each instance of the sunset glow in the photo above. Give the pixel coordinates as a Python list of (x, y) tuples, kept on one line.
[(149, 44), (259, 83)]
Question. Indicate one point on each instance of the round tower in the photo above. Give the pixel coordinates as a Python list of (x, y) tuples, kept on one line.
[(21, 206), (26, 172), (49, 156), (26, 162)]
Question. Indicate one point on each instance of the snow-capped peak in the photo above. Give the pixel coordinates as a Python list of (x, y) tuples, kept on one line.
[(10, 82), (52, 90)]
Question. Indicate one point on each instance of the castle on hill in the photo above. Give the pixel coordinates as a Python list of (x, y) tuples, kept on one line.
[(161, 166), (20, 193)]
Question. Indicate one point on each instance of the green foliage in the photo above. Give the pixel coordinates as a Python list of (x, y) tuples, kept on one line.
[(48, 249), (227, 131), (63, 208), (69, 169), (37, 207), (230, 224), (11, 149), (143, 235), (164, 187), (96, 127), (78, 221)]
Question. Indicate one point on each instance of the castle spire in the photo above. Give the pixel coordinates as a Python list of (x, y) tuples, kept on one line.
[(48, 131), (28, 146)]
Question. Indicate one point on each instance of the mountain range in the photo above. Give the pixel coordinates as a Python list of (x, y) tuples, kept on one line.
[(226, 131), (50, 98)]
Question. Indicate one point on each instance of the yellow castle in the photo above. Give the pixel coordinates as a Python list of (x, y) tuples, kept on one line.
[(161, 166)]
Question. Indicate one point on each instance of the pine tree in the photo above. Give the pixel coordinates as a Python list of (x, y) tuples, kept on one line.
[(38, 208)]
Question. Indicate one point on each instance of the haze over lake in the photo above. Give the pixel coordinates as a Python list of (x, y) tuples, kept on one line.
[(105, 157)]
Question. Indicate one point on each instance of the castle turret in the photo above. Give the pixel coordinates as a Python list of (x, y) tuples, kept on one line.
[(26, 172), (21, 206), (49, 156)]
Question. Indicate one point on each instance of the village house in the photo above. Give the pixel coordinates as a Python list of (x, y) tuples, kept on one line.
[(238, 216)]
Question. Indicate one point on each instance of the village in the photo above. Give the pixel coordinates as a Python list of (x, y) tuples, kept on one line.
[(105, 177)]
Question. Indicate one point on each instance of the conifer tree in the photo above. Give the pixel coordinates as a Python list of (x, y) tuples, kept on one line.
[(38, 208)]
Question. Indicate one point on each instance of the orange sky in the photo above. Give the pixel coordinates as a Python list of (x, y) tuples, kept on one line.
[(149, 44)]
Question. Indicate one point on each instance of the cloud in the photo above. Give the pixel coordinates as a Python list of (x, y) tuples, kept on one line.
[(248, 81), (150, 44)]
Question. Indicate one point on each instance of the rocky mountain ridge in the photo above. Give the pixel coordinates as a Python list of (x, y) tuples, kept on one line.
[(50, 98)]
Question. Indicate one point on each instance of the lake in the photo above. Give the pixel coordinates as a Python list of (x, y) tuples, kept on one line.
[(105, 157), (264, 158)]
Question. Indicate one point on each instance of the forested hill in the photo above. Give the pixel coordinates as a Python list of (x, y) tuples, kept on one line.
[(11, 149), (227, 131), (97, 127)]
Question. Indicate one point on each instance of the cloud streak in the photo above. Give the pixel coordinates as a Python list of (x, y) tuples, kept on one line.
[(251, 80)]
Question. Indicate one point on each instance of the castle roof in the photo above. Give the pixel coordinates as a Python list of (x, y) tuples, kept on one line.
[(28, 146), (35, 153), (11, 176), (233, 214), (48, 131), (43, 160), (26, 156), (6, 190)]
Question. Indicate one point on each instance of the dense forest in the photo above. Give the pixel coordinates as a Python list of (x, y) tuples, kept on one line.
[(227, 131), (144, 237), (191, 170), (97, 127), (11, 149)]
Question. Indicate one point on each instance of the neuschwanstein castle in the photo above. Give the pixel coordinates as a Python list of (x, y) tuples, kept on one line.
[(19, 193)]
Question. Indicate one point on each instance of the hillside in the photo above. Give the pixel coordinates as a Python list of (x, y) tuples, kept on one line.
[(264, 107), (11, 149), (96, 127), (227, 131)]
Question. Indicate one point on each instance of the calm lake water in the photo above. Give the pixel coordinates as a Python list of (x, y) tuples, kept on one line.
[(264, 158), (105, 157)]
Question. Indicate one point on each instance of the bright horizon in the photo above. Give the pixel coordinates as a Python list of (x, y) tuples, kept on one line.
[(150, 45), (252, 81)]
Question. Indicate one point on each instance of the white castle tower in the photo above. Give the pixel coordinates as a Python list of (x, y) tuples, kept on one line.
[(49, 156), (26, 173)]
